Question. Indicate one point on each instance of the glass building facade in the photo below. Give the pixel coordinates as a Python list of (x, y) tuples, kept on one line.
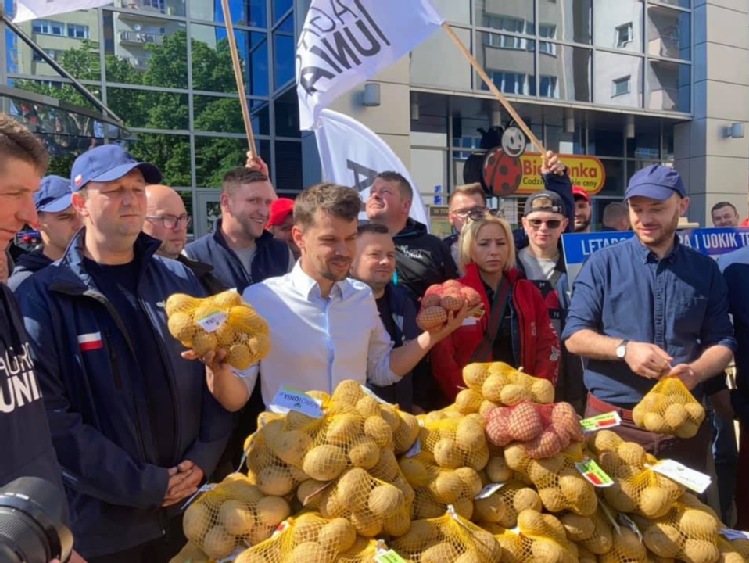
[(164, 67)]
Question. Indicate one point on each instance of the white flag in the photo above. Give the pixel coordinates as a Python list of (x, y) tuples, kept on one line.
[(345, 42), (32, 9), (352, 155)]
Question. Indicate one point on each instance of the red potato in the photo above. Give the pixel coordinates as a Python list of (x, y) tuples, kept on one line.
[(431, 318), (498, 426), (471, 296), (432, 300), (525, 422), (452, 302), (546, 444), (434, 290), (566, 423)]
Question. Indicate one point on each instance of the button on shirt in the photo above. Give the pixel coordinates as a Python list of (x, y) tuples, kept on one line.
[(679, 303), (316, 343)]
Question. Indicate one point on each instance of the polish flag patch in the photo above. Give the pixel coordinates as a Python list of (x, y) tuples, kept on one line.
[(91, 341)]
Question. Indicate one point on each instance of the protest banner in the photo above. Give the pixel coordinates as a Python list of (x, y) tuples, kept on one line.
[(712, 242)]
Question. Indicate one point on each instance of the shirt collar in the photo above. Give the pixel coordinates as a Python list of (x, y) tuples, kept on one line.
[(308, 287), (646, 255)]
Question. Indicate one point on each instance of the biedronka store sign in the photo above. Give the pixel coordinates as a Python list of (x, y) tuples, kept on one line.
[(585, 171)]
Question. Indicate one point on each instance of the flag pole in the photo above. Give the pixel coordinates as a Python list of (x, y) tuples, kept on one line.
[(238, 76), (493, 89)]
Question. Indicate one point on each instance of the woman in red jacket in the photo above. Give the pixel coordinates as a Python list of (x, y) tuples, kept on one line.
[(515, 327)]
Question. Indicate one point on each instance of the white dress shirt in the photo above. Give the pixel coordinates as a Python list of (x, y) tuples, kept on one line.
[(316, 343)]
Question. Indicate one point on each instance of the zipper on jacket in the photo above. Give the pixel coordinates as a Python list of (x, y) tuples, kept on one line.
[(113, 360)]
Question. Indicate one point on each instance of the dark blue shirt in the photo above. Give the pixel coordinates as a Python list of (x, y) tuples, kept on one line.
[(679, 303)]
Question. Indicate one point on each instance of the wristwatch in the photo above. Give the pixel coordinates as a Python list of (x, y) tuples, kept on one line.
[(621, 350)]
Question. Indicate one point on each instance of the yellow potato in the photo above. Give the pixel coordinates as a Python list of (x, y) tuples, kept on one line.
[(271, 511), (218, 543), (236, 517), (325, 462)]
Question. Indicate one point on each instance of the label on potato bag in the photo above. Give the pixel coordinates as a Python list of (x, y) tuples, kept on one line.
[(627, 522), (385, 555), (489, 490), (601, 421), (415, 449), (691, 479), (212, 321), (596, 476), (733, 535), (288, 399)]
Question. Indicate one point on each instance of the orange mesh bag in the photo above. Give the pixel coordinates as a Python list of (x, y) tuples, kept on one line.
[(307, 538), (232, 514), (669, 408), (560, 484), (637, 488), (501, 384), (374, 507), (440, 300), (688, 532), (447, 538), (543, 430), (501, 505), (435, 488), (219, 322), (456, 442)]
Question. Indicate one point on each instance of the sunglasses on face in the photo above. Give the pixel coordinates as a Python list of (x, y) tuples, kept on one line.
[(551, 223)]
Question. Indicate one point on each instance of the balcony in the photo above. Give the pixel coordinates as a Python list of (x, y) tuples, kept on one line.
[(147, 8), (664, 99), (664, 47), (141, 38)]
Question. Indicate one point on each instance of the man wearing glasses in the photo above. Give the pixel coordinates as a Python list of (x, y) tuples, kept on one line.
[(468, 200), (57, 222), (168, 221)]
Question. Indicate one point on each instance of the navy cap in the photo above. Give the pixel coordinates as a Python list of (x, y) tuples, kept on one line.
[(107, 163), (655, 182), (53, 195), (544, 201)]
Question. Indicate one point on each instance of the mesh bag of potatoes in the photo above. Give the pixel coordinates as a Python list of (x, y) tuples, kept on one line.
[(543, 430), (688, 532), (537, 538), (233, 514), (456, 442), (308, 538), (449, 537), (222, 321), (593, 534), (627, 548), (669, 408), (733, 550), (500, 506), (436, 488), (637, 488), (498, 384), (373, 507), (441, 299)]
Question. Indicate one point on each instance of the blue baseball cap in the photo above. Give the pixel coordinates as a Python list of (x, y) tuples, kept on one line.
[(656, 182), (53, 195), (107, 163)]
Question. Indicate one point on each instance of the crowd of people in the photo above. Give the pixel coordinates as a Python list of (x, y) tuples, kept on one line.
[(130, 425)]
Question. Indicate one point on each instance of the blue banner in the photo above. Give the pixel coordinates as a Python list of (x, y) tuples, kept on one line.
[(712, 242)]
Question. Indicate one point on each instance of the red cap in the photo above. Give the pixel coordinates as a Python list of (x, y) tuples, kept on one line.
[(279, 210), (577, 192)]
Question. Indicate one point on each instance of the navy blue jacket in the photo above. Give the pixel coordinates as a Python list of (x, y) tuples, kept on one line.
[(97, 409), (403, 311), (271, 259), (27, 264), (24, 431)]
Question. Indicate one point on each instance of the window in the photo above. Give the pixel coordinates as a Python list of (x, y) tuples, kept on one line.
[(508, 82), (504, 41), (49, 27), (548, 87), (548, 31), (501, 23), (624, 35), (77, 31), (620, 86), (55, 55)]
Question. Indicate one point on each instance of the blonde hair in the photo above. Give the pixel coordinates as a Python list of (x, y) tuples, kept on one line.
[(470, 232)]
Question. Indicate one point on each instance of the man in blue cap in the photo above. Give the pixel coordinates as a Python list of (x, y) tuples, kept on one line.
[(134, 424), (57, 221), (651, 307)]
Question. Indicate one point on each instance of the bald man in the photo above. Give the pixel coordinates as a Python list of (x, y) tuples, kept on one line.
[(167, 220)]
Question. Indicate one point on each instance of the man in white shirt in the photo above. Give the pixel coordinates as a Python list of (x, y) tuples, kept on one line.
[(324, 327)]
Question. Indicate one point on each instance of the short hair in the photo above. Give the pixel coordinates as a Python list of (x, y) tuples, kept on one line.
[(724, 204), (403, 185), (470, 232), (332, 199), (372, 229), (469, 189), (18, 142), (241, 176), (614, 211)]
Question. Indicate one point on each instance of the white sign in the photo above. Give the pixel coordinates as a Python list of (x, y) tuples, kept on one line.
[(31, 9), (345, 42), (352, 155)]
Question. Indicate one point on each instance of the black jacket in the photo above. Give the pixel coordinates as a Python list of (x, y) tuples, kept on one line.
[(204, 273), (271, 259), (27, 449), (27, 264), (422, 259)]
